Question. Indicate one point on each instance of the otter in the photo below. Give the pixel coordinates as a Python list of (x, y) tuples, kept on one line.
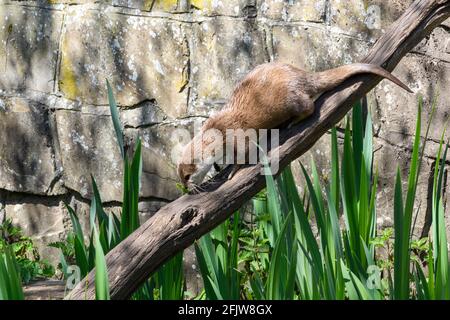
[(269, 96)]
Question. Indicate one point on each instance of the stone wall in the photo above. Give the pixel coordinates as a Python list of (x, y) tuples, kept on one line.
[(170, 64)]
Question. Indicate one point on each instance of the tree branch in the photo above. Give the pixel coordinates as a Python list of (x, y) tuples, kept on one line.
[(178, 224)]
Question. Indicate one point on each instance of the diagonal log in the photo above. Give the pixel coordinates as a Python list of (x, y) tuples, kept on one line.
[(178, 224)]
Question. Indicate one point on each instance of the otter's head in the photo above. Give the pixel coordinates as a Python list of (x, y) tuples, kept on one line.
[(186, 171), (198, 157)]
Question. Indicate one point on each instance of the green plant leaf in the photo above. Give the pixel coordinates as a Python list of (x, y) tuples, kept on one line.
[(115, 119), (101, 272)]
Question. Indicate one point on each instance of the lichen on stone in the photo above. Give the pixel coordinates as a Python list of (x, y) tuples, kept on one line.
[(67, 78)]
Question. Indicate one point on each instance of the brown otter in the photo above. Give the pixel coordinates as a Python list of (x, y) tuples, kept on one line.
[(270, 95)]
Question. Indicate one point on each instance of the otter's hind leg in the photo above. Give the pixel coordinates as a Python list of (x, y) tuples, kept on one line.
[(301, 110)]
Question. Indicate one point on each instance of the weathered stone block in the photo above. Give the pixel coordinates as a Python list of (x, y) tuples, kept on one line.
[(27, 162), (234, 8), (57, 2), (387, 159), (148, 208), (194, 281), (143, 58), (159, 177), (365, 18), (437, 45), (44, 223), (294, 10), (149, 5), (446, 23), (222, 52), (320, 154), (88, 146), (28, 51), (315, 48), (145, 115), (396, 113)]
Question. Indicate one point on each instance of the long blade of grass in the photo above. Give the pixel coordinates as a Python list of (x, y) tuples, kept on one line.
[(278, 267), (101, 272), (334, 169), (357, 137), (135, 179), (10, 283), (399, 264), (115, 119)]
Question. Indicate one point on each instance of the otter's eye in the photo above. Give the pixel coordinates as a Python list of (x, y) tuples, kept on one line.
[(186, 177)]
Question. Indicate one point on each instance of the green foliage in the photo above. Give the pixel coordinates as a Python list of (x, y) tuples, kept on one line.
[(437, 284), (67, 248), (323, 244), (168, 281), (25, 253), (101, 273), (182, 188), (276, 280), (10, 284), (403, 213), (335, 266), (384, 243), (217, 256), (115, 119)]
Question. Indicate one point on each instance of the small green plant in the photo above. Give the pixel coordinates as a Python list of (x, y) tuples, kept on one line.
[(67, 248), (25, 253), (384, 244), (182, 188)]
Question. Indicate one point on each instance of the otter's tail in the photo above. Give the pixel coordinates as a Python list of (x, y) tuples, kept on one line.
[(329, 79)]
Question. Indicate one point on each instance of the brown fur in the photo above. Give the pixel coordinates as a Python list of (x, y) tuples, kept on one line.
[(274, 93), (184, 172)]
